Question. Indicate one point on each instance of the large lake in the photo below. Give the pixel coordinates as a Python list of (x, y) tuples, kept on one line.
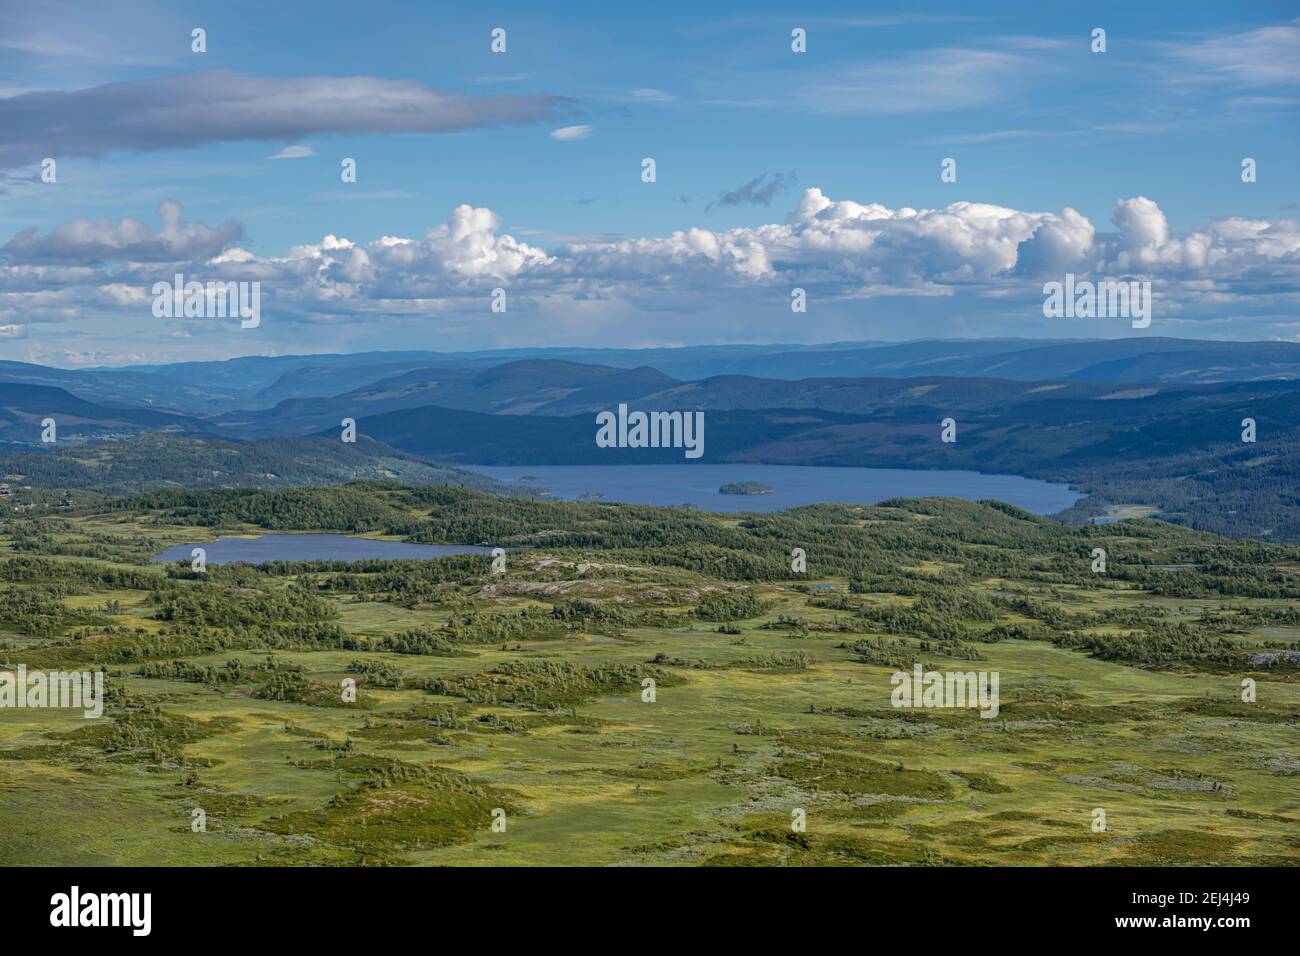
[(793, 485), (312, 547)]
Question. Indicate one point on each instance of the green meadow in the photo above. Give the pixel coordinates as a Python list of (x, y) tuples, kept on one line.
[(645, 686)]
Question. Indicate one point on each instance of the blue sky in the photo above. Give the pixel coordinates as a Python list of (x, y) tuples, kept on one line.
[(741, 130)]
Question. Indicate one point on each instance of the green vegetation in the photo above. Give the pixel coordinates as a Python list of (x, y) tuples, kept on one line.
[(745, 488), (162, 460), (646, 685)]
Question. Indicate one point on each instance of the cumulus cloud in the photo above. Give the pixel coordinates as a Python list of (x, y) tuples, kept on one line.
[(1142, 223), (83, 240), (171, 112), (1058, 244), (45, 306), (842, 249)]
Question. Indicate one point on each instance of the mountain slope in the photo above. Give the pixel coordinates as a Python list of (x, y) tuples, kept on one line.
[(148, 462), (552, 388), (1041, 433), (475, 438), (123, 388), (516, 388), (24, 407)]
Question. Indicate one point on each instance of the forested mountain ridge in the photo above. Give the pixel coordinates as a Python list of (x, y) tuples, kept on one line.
[(156, 460), (1173, 443), (1127, 360)]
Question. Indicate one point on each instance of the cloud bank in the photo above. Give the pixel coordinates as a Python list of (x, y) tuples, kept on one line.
[(127, 240), (975, 256), (172, 112)]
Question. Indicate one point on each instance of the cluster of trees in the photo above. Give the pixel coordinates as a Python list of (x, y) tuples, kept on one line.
[(777, 660), (547, 684), (883, 652), (939, 554), (1158, 644), (729, 605), (231, 672), (219, 606)]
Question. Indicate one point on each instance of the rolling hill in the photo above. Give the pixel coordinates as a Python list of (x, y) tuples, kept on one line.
[(152, 461), (23, 407), (124, 388), (516, 388)]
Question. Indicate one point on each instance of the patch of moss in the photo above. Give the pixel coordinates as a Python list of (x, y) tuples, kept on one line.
[(398, 812), (850, 773), (983, 782), (1182, 847)]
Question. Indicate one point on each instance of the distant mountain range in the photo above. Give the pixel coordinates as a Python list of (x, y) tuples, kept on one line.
[(1039, 431), (1153, 421), (262, 381)]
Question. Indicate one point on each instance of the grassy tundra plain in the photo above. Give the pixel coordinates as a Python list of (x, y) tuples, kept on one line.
[(522, 691)]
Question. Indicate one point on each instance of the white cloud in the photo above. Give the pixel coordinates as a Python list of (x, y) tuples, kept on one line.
[(943, 79), (1263, 57), (174, 112), (1057, 245), (973, 256), (294, 152), (129, 239), (118, 293), (566, 133)]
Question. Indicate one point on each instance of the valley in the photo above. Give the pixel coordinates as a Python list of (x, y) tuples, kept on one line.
[(1156, 425)]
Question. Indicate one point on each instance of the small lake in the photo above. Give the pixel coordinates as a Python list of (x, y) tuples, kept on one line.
[(312, 547), (793, 485)]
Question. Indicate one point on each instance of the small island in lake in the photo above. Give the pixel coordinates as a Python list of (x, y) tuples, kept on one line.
[(745, 488)]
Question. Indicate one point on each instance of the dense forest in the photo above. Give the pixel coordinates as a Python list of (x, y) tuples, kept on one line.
[(156, 460)]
